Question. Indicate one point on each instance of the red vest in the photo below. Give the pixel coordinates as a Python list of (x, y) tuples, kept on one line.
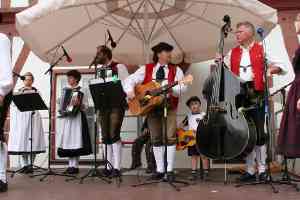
[(171, 78), (114, 68), (257, 63)]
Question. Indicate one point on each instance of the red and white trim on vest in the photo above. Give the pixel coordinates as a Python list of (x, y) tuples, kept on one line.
[(257, 63), (171, 78), (114, 67)]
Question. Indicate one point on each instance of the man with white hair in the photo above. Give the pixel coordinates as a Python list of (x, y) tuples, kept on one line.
[(246, 60), (6, 83)]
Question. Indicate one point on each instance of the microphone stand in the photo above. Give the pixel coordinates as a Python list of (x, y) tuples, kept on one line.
[(269, 179), (94, 172), (50, 171), (172, 183)]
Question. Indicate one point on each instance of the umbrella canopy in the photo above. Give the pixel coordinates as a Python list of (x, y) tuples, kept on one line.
[(191, 26)]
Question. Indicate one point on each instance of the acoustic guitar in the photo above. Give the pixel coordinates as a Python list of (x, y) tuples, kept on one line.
[(149, 95), (185, 139)]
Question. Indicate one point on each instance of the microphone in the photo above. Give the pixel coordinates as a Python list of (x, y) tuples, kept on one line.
[(260, 31), (69, 59), (19, 76), (227, 21), (110, 38)]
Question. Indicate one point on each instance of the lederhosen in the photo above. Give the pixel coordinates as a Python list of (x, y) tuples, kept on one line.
[(254, 90), (155, 117), (3, 114), (111, 118)]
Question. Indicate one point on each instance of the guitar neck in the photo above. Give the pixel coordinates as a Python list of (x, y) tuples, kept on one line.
[(169, 86)]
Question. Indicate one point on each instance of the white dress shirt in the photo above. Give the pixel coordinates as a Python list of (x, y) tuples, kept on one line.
[(139, 76), (6, 80), (194, 119), (246, 73)]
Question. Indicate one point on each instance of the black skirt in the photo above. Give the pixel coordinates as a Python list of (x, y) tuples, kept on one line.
[(86, 142)]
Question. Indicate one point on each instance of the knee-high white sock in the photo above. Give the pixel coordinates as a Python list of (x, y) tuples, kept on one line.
[(25, 160), (159, 158), (3, 161), (33, 158), (109, 155), (71, 161), (117, 154), (250, 163), (261, 157), (76, 162), (171, 150)]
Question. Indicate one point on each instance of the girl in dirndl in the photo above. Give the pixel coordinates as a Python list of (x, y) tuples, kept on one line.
[(19, 142), (74, 140)]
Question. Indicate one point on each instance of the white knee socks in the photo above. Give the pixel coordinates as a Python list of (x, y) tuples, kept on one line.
[(117, 154), (3, 161), (74, 162)]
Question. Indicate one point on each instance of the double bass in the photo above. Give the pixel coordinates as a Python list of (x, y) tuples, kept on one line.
[(225, 132)]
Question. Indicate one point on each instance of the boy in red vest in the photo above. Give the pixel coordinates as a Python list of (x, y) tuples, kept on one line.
[(111, 119), (161, 71), (247, 61)]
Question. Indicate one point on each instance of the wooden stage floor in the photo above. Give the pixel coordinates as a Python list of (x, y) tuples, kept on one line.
[(21, 187)]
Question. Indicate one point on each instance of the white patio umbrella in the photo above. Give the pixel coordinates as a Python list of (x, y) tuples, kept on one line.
[(192, 26)]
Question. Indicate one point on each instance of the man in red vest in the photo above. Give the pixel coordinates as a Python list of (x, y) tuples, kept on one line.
[(111, 119), (6, 83), (161, 71), (247, 61)]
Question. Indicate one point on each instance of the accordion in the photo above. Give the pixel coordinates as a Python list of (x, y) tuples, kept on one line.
[(66, 103)]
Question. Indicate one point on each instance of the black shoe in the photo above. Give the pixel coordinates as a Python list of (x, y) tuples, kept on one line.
[(68, 170), (116, 173), (262, 177), (28, 170), (247, 178), (74, 170), (107, 172), (3, 186), (205, 173), (157, 176), (170, 176), (193, 176)]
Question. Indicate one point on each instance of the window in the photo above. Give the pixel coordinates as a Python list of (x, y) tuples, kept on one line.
[(19, 3)]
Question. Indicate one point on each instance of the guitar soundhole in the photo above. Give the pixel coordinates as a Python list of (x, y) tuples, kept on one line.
[(144, 102)]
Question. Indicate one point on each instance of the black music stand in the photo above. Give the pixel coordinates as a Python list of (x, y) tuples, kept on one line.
[(105, 95), (29, 102)]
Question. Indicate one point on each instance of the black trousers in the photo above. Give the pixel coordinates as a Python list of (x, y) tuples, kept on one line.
[(111, 122)]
